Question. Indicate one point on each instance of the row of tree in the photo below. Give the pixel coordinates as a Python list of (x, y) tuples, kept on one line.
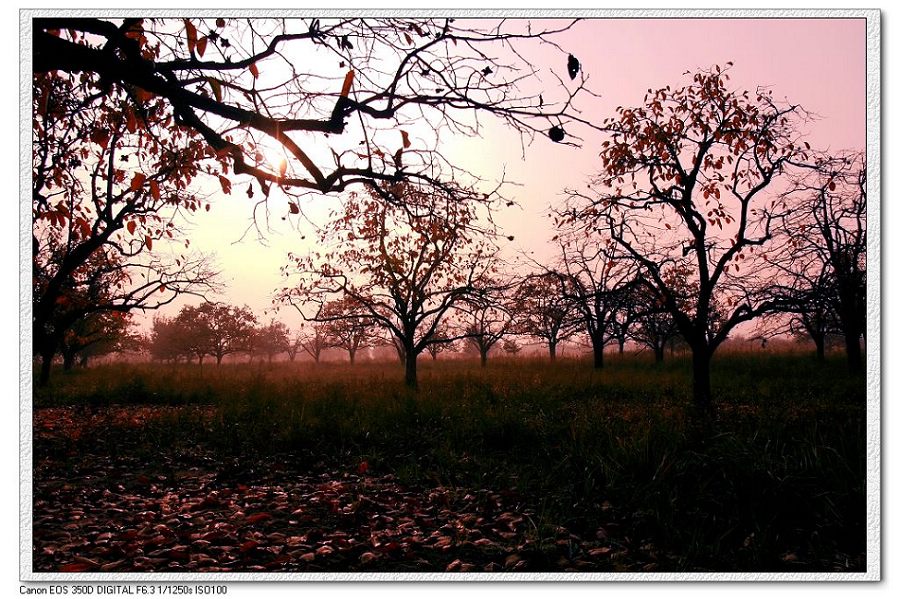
[(709, 213)]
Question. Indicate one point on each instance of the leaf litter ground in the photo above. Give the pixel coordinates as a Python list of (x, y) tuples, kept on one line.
[(106, 507)]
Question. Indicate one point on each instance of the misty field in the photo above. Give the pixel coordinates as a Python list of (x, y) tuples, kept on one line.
[(522, 466)]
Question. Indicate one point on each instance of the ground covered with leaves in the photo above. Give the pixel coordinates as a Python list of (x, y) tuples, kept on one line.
[(139, 470), (189, 512)]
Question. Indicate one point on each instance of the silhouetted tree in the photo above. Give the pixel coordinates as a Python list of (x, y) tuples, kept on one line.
[(403, 268), (543, 311), (240, 84), (683, 183), (822, 262)]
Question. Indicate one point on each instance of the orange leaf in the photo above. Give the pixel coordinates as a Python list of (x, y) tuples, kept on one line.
[(137, 181), (348, 83)]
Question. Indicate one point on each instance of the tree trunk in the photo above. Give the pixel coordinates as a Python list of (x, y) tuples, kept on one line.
[(83, 362), (552, 345), (819, 340), (659, 353), (854, 351), (68, 360), (702, 390), (411, 379), (483, 353), (597, 346), (352, 353), (621, 345)]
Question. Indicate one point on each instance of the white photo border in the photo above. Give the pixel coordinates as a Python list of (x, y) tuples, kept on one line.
[(874, 350)]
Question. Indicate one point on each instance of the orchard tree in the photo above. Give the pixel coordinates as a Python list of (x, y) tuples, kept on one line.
[(689, 180), (404, 268), (822, 262), (319, 105), (313, 340), (443, 341), (347, 327), (108, 182), (166, 341), (272, 339), (511, 346), (595, 279), (228, 328), (543, 311), (97, 334), (488, 318)]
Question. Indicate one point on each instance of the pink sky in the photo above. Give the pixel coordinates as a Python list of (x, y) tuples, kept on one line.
[(818, 63)]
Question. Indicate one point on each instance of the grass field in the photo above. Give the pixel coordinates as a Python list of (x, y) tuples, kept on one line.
[(524, 465)]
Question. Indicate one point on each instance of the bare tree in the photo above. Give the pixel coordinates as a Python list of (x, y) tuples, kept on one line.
[(683, 185), (488, 317), (822, 262), (595, 279), (313, 340), (443, 341)]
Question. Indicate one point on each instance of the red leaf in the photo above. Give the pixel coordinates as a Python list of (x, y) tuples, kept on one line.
[(254, 70), (142, 94), (405, 137), (191, 32), (154, 189), (149, 241), (100, 137), (363, 467), (248, 546), (220, 23), (225, 183), (131, 226), (137, 181), (201, 46), (258, 517), (293, 208)]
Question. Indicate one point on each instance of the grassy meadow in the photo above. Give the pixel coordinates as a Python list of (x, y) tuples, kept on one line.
[(773, 481)]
